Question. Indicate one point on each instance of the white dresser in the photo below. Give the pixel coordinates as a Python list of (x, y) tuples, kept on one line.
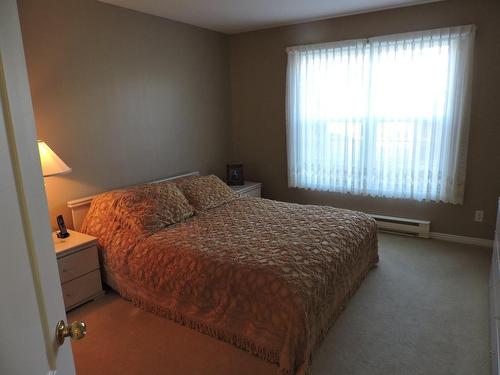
[(495, 300), (249, 188), (78, 264)]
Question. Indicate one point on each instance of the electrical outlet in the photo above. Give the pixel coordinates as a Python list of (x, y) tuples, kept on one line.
[(478, 216)]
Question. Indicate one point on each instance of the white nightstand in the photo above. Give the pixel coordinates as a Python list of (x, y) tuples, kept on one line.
[(250, 189), (78, 264)]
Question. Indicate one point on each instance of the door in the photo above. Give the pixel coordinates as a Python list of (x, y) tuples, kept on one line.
[(30, 293)]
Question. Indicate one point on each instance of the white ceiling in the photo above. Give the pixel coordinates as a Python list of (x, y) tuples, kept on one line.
[(234, 16)]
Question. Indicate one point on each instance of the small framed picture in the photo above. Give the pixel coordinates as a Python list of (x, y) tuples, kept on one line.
[(235, 174)]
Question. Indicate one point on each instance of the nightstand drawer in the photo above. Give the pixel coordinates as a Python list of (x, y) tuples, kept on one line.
[(77, 264), (81, 289), (248, 189), (253, 193)]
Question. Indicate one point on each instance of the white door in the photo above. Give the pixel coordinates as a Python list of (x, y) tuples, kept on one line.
[(30, 293)]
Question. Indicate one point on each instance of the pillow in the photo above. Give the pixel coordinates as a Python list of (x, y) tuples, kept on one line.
[(141, 209), (207, 192), (155, 206)]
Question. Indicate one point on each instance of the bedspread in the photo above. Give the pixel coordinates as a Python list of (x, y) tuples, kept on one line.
[(268, 277)]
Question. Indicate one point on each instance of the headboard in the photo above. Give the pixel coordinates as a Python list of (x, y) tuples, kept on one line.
[(80, 207)]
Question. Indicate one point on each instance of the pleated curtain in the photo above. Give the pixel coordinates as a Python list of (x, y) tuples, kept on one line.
[(385, 116)]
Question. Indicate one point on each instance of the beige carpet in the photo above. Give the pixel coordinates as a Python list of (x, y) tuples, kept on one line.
[(423, 310)]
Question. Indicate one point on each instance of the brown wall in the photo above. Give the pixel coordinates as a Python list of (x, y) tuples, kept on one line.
[(123, 97), (258, 73)]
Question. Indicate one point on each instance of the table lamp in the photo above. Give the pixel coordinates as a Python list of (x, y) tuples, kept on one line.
[(52, 165)]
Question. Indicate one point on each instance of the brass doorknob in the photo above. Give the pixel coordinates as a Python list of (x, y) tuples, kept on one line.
[(76, 330)]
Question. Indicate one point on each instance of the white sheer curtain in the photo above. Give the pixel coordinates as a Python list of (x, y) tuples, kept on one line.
[(387, 116)]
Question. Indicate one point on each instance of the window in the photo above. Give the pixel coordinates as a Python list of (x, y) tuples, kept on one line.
[(387, 116)]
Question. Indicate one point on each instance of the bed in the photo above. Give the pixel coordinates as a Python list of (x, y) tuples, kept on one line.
[(265, 276)]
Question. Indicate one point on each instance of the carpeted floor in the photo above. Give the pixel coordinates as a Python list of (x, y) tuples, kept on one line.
[(423, 310)]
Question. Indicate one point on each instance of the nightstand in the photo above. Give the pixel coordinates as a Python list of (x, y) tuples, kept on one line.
[(250, 189), (78, 264)]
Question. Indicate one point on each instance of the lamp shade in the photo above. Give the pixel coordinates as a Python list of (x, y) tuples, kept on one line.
[(51, 163)]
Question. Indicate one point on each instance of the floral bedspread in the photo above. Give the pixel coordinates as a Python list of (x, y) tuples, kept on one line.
[(268, 277)]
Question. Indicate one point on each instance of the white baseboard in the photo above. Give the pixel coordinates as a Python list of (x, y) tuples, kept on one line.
[(462, 239)]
